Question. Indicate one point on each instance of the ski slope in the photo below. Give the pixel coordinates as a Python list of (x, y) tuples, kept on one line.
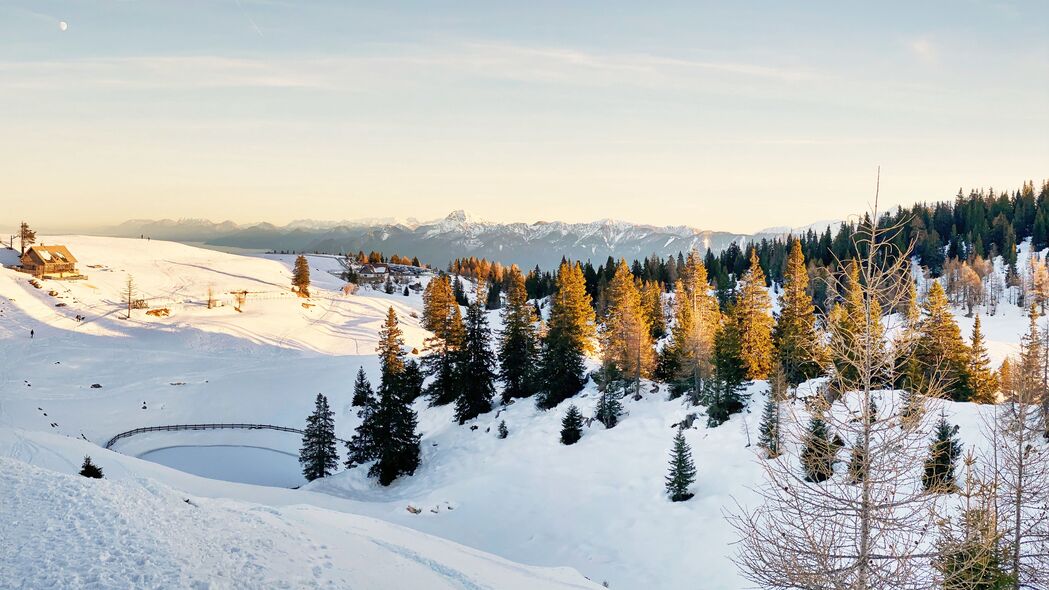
[(597, 507)]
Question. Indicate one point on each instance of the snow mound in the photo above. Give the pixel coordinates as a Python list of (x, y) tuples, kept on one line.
[(63, 531)]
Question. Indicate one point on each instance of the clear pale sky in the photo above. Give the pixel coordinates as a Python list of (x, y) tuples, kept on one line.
[(720, 115)]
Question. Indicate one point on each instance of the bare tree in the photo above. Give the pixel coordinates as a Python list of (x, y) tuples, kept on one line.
[(129, 294), (1020, 466), (870, 528), (26, 236)]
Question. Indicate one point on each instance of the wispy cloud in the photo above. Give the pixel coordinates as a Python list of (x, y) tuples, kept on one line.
[(476, 59)]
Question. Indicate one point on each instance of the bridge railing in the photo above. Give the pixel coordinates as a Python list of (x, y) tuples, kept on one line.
[(230, 426)]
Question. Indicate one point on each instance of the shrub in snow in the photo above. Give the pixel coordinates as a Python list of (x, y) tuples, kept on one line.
[(89, 469)]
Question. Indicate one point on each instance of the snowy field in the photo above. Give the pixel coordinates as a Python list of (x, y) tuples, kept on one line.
[(597, 507)]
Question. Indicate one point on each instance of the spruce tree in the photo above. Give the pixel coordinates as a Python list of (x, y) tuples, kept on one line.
[(503, 430), (943, 456), (318, 455), (817, 454), (940, 349), (89, 469), (569, 336), (981, 383), (478, 380), (626, 339), (769, 435), (362, 389), (387, 432), (754, 317), (518, 343), (858, 462), (682, 471), (571, 426), (300, 276), (412, 380), (796, 338), (609, 408)]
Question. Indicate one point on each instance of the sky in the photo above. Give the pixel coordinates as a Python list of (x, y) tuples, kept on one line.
[(731, 116)]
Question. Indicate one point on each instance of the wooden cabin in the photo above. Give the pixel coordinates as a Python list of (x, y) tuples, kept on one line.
[(50, 262)]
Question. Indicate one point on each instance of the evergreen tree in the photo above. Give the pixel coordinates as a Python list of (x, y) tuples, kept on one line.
[(460, 292), (769, 436), (300, 276), (318, 455), (722, 397), (503, 430), (89, 469), (518, 343), (609, 408), (817, 454), (626, 340), (940, 349), (571, 426), (412, 380), (682, 471), (387, 431), (858, 461), (754, 318), (652, 301), (943, 455), (796, 338), (478, 380), (444, 356), (696, 321), (981, 383), (569, 336), (362, 389), (970, 552)]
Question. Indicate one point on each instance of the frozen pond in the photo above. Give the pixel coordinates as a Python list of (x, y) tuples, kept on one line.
[(236, 463)]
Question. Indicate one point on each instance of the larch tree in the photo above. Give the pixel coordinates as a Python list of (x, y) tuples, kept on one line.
[(443, 350), (696, 320), (478, 364), (626, 338), (941, 352), (841, 534), (981, 382), (569, 337), (797, 340), (518, 343), (652, 303), (318, 455), (753, 313), (300, 276)]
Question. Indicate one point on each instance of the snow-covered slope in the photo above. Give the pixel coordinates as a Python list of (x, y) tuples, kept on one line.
[(65, 531), (597, 506)]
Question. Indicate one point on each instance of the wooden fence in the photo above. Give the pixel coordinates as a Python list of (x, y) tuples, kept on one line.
[(174, 427)]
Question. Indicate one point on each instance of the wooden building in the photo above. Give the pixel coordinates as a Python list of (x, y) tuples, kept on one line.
[(50, 262)]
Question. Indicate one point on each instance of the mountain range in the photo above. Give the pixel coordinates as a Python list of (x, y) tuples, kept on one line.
[(437, 242)]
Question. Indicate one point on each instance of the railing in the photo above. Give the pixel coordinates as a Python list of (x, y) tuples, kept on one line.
[(174, 427)]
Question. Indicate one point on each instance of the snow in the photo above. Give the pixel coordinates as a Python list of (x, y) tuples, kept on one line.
[(66, 531), (597, 506)]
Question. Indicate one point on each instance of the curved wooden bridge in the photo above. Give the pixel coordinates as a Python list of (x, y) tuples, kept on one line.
[(173, 427)]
